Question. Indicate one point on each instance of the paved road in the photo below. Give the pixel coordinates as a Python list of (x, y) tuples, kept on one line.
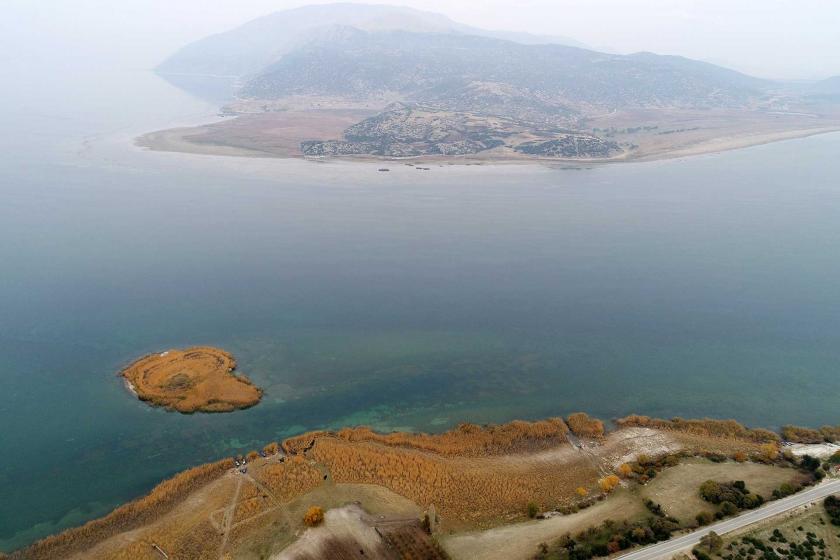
[(669, 548)]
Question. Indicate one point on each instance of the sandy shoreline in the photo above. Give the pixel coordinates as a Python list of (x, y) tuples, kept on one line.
[(183, 140)]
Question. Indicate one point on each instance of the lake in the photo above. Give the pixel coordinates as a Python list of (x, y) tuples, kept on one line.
[(403, 300)]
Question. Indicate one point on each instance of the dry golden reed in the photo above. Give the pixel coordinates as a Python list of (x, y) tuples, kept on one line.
[(161, 499), (583, 426), (465, 440), (702, 427), (464, 489)]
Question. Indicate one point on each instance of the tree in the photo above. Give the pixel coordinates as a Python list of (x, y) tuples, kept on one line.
[(625, 470), (710, 491), (728, 508), (832, 507), (740, 456), (313, 516), (582, 492), (711, 543)]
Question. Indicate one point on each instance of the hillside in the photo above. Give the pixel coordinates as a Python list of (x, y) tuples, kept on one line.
[(442, 67), (301, 76), (249, 48)]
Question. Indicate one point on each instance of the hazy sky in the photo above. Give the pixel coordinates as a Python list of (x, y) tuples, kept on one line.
[(769, 38)]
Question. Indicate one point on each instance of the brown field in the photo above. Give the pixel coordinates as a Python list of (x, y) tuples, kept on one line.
[(477, 478), (197, 379), (256, 135), (677, 489)]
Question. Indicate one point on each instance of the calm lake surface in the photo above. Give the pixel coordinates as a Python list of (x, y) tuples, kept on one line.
[(409, 299)]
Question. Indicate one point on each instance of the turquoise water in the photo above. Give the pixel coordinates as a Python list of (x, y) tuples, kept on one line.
[(703, 286)]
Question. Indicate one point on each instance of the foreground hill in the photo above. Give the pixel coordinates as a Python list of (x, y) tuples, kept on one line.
[(466, 493)]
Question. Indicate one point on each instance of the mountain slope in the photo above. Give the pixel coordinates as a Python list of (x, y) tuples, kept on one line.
[(434, 66), (251, 47)]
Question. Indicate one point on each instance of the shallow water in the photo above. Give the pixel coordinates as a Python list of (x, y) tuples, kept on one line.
[(409, 299)]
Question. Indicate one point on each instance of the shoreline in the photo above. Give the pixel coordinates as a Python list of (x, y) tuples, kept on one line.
[(177, 140), (516, 442)]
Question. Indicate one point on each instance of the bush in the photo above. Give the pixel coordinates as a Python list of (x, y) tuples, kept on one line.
[(582, 425), (711, 543), (728, 508), (700, 555), (832, 507), (313, 516), (734, 493), (654, 508), (704, 518), (786, 489), (532, 510), (608, 483), (799, 434)]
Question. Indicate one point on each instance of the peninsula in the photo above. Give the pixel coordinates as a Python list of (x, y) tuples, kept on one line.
[(385, 83)]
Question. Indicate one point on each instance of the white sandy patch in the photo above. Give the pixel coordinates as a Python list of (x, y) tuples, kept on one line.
[(627, 444), (819, 450), (343, 523)]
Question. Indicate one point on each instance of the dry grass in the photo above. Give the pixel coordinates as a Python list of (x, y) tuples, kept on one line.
[(584, 426), (703, 427), (196, 379), (292, 478), (676, 489), (465, 440), (159, 501), (798, 434), (466, 490)]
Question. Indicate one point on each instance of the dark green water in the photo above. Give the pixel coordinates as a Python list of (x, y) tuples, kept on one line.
[(704, 286)]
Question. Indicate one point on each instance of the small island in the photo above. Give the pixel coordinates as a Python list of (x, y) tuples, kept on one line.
[(197, 379)]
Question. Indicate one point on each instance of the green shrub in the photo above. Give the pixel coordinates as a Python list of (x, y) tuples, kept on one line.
[(532, 510), (704, 518)]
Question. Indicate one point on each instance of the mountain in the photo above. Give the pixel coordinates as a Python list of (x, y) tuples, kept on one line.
[(423, 85), (829, 87), (446, 68), (251, 47)]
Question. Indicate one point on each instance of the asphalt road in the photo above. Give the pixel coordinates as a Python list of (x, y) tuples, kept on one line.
[(668, 548)]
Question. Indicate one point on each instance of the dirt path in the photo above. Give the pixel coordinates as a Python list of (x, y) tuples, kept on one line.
[(519, 541), (228, 519)]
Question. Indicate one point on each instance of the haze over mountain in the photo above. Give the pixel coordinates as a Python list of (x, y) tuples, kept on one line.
[(254, 45), (422, 84)]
